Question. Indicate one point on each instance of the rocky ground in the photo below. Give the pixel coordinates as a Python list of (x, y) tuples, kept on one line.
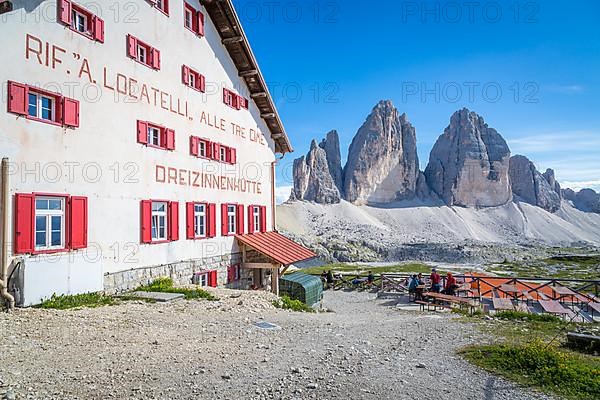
[(365, 349)]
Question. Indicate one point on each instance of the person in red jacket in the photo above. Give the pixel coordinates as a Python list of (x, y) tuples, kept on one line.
[(451, 285), (436, 280)]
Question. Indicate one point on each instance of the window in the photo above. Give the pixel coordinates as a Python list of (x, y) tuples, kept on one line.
[(161, 5), (193, 19), (256, 218), (143, 52), (234, 100), (160, 221), (200, 220), (49, 223), (233, 273), (231, 214), (80, 20), (205, 278), (223, 154), (193, 79), (203, 148), (41, 105), (154, 135)]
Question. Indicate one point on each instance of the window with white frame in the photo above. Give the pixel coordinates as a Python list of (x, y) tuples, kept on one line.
[(231, 218), (159, 221), (189, 18), (49, 223), (153, 136), (42, 107), (256, 218), (202, 146), (200, 220), (79, 22), (192, 80), (203, 280), (142, 54), (223, 153)]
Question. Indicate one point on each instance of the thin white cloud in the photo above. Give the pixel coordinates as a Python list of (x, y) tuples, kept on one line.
[(568, 141), (578, 185), (565, 89), (282, 193)]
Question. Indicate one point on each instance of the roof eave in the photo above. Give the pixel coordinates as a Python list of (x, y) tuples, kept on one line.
[(233, 37)]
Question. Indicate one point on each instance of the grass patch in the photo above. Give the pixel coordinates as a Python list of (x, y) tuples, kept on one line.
[(286, 303), (165, 285), (566, 374), (522, 316), (364, 269), (557, 267), (66, 302)]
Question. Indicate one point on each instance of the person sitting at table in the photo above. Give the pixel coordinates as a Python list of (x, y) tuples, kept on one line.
[(370, 278), (412, 285), (436, 280), (357, 281), (451, 285)]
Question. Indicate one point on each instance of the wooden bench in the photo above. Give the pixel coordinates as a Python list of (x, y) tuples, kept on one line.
[(554, 307), (429, 305)]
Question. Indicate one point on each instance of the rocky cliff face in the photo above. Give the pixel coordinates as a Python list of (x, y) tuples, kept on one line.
[(585, 200), (531, 186), (551, 179), (382, 161), (331, 145), (468, 165), (312, 179)]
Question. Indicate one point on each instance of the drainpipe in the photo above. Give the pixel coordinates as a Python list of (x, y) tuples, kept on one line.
[(10, 300)]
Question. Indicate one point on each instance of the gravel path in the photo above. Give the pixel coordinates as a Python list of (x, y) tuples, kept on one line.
[(366, 349)]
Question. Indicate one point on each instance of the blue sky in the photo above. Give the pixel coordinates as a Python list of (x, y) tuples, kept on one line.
[(530, 68)]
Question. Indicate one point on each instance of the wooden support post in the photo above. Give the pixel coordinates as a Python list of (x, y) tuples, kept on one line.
[(275, 280)]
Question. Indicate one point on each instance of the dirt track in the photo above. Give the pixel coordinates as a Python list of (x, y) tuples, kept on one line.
[(200, 350)]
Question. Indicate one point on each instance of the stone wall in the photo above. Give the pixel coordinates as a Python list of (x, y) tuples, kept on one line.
[(181, 273)]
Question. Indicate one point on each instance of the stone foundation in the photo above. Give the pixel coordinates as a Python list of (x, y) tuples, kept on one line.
[(181, 272)]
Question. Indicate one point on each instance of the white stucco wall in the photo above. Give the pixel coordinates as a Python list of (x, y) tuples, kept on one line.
[(106, 140)]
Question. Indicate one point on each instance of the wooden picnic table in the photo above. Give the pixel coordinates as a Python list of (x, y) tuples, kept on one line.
[(553, 307), (594, 307), (503, 304), (451, 299)]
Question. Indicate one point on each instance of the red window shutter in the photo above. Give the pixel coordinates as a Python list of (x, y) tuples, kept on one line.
[(173, 219), (236, 101), (224, 224), (216, 151), (17, 98), (213, 279), (226, 96), (24, 223), (212, 220), (200, 23), (132, 47), (250, 219), (155, 59), (98, 24), (142, 132), (263, 219), (189, 221), (194, 146), (146, 221), (70, 112), (232, 156), (209, 149), (185, 74), (202, 83), (240, 219), (64, 11), (170, 139), (78, 217)]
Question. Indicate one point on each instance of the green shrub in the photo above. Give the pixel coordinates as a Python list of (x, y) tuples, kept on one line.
[(535, 364), (286, 303), (65, 302), (522, 316), (165, 285)]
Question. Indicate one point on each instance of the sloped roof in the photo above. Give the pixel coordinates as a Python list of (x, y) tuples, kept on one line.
[(233, 37), (277, 247)]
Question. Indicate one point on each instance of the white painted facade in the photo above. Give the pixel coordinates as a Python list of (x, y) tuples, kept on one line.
[(101, 159)]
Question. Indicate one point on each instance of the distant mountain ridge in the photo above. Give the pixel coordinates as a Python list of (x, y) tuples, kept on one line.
[(470, 165)]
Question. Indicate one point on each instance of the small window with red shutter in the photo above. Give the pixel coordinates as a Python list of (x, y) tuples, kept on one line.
[(80, 20), (159, 221), (234, 100), (143, 52), (193, 79), (42, 105), (200, 147), (161, 5), (193, 19), (263, 219), (154, 135), (50, 223)]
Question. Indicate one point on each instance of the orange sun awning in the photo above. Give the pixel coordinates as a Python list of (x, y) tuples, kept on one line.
[(277, 247)]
